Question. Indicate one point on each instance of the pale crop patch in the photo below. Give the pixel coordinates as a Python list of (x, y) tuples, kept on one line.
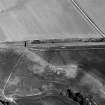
[(14, 81), (95, 84), (69, 71)]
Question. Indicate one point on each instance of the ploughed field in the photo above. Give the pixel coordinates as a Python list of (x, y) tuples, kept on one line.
[(52, 76)]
